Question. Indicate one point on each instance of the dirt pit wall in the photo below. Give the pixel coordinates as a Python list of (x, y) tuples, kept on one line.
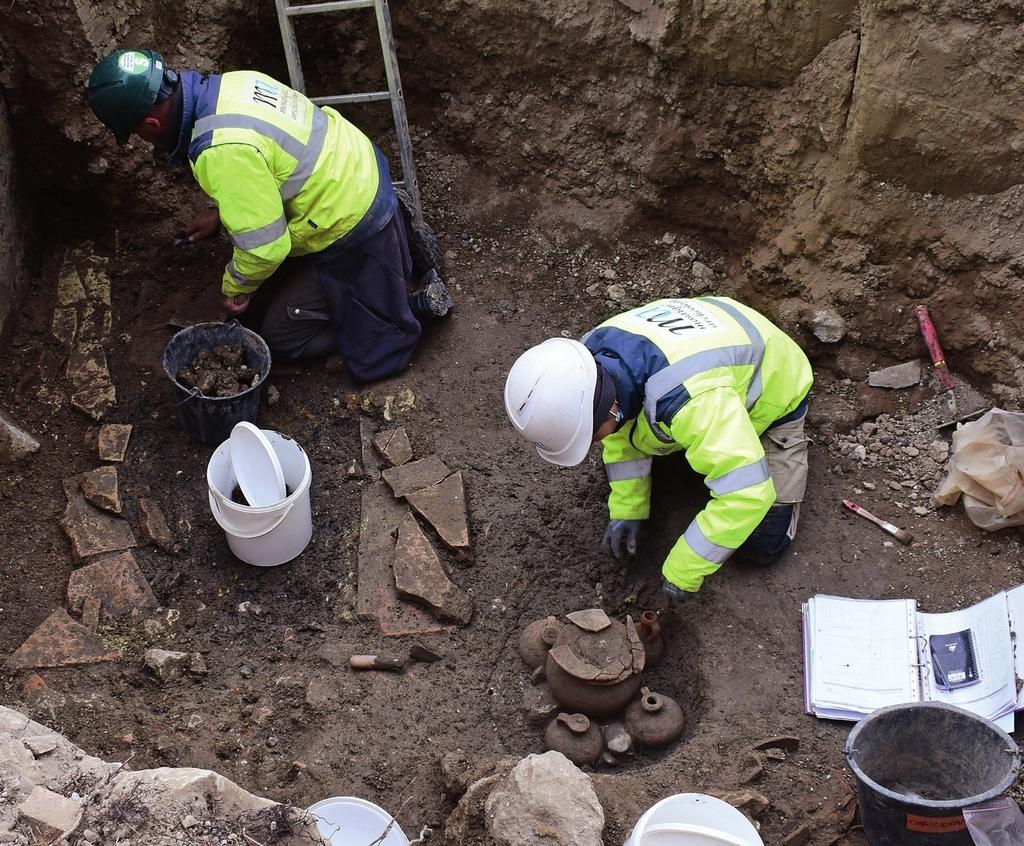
[(13, 212), (858, 156)]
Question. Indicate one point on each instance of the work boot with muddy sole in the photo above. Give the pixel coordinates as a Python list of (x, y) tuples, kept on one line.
[(431, 299), (424, 248)]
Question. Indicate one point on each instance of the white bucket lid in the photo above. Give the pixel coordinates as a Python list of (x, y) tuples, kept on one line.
[(694, 819), (350, 821), (256, 466)]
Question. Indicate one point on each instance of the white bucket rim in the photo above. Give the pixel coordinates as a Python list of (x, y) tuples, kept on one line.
[(307, 475)]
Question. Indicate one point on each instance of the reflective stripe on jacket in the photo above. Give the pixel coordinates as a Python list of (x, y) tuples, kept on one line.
[(707, 376), (288, 177)]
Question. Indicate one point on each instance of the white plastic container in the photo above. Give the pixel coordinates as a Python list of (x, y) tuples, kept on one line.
[(350, 821), (273, 534), (693, 819)]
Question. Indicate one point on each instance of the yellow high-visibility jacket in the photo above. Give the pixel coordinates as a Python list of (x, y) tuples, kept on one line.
[(707, 376), (288, 177)]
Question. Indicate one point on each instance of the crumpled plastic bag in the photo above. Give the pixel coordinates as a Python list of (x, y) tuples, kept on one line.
[(987, 467), (997, 822)]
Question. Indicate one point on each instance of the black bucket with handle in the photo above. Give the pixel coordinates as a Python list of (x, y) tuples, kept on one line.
[(210, 419), (919, 765)]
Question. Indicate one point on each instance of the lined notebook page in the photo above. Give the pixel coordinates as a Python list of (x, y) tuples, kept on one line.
[(863, 655), (995, 693)]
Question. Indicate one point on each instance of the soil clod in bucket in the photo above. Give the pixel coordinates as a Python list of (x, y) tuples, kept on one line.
[(219, 371)]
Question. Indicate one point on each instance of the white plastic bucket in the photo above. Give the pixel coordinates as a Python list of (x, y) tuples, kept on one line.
[(273, 534), (350, 821), (693, 819)]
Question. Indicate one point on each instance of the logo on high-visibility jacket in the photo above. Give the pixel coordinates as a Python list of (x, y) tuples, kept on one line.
[(133, 62)]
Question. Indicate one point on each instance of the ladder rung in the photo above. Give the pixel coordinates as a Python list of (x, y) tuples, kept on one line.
[(334, 6), (343, 99)]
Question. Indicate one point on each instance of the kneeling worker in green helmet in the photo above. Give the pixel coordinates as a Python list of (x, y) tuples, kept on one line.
[(305, 197), (709, 376)]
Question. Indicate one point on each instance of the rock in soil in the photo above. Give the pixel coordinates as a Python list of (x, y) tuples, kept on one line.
[(164, 663), (113, 441), (420, 576), (48, 813), (219, 372), (15, 442), (90, 530), (415, 475), (444, 506), (545, 793), (101, 489), (115, 581), (60, 642), (394, 445), (154, 525)]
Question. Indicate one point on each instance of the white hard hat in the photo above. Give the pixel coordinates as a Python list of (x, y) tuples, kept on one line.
[(549, 397)]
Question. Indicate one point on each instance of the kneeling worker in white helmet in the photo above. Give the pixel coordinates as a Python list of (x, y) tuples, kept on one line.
[(709, 376)]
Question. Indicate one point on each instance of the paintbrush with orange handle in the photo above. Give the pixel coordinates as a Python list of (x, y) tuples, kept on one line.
[(902, 535)]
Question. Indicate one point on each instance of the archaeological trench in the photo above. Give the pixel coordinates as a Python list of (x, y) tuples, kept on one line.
[(831, 163)]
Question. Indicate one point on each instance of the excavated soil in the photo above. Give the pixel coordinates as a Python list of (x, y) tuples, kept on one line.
[(574, 161)]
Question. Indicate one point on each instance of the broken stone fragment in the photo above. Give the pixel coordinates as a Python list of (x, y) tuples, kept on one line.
[(617, 739), (49, 814), (827, 325), (115, 582), (164, 663), (64, 326), (97, 283), (90, 378), (749, 801), (545, 793), (785, 742), (394, 445), (69, 286), (15, 442), (539, 705), (154, 525), (444, 506), (420, 576), (898, 376), (113, 441), (90, 530), (416, 475), (101, 489), (41, 744), (751, 767), (60, 642)]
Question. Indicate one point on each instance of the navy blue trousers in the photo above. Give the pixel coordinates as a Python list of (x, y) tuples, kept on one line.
[(352, 299)]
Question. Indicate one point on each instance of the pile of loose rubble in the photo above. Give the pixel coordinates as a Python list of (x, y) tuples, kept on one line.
[(52, 792)]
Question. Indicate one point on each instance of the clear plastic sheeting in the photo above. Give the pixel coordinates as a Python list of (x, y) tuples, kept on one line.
[(986, 467), (997, 822)]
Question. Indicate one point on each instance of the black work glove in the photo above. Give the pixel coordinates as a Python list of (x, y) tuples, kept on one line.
[(619, 531), (676, 595)]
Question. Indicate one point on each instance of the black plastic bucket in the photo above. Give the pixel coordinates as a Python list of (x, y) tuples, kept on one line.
[(210, 419), (919, 765)]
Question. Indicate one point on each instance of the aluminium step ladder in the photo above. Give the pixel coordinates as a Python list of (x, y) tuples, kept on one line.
[(286, 11)]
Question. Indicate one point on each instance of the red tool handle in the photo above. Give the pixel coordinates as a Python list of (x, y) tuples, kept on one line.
[(931, 340)]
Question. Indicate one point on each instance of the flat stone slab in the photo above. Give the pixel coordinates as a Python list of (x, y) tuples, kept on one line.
[(394, 445), (50, 814), (113, 441), (115, 582), (376, 597), (416, 475), (101, 489), (444, 506), (69, 286), (64, 325), (898, 376), (90, 530), (420, 576), (59, 641), (15, 442), (153, 525), (93, 392)]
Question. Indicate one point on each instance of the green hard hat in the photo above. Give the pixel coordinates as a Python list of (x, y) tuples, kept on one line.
[(123, 87)]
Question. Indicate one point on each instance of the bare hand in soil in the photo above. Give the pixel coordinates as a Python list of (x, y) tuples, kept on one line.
[(204, 226), (219, 372), (236, 305)]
